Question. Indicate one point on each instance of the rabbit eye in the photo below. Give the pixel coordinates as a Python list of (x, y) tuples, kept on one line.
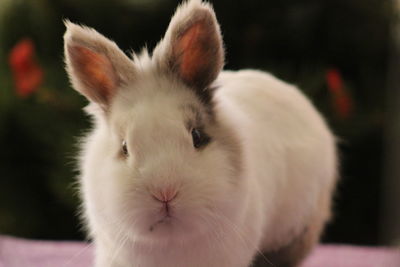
[(124, 148), (200, 139)]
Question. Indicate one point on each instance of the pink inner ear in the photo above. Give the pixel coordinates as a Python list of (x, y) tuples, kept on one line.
[(194, 52), (95, 71)]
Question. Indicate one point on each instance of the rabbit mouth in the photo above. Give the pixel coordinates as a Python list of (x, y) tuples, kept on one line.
[(180, 227), (167, 220)]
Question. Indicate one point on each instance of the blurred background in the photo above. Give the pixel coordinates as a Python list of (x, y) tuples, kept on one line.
[(344, 54)]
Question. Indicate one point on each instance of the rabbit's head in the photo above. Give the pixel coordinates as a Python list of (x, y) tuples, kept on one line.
[(160, 163)]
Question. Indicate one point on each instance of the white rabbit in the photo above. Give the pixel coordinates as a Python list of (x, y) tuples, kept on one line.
[(188, 166)]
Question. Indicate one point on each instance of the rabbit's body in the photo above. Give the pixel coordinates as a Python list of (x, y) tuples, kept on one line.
[(288, 149), (191, 166)]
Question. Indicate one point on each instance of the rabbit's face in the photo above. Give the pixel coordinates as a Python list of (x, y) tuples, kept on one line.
[(159, 162), (171, 172)]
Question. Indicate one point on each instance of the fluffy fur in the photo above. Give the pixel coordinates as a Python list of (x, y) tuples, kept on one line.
[(262, 185)]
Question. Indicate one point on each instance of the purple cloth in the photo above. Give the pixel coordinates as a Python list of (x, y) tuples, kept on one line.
[(15, 252)]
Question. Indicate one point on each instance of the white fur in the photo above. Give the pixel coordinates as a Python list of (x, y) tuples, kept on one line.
[(267, 175), (289, 151)]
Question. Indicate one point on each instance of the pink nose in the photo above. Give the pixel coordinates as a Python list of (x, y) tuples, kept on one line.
[(165, 195)]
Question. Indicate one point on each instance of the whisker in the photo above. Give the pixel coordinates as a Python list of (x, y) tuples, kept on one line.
[(214, 226), (236, 229), (78, 254), (116, 251)]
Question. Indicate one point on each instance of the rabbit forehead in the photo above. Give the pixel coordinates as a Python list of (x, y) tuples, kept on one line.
[(154, 117), (158, 100)]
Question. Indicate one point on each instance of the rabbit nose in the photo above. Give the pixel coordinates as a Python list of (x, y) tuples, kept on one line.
[(165, 195)]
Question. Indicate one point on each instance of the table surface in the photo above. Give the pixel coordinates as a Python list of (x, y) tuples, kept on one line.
[(16, 252)]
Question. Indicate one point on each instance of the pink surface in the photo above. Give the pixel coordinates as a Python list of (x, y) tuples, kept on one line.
[(353, 256), (16, 252)]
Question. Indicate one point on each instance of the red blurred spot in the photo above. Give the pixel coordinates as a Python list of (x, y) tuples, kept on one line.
[(27, 73), (341, 100)]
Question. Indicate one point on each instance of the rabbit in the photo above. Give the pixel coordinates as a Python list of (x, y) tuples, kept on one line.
[(188, 165)]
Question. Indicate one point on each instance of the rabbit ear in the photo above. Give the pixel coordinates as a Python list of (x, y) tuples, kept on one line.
[(192, 47), (95, 64)]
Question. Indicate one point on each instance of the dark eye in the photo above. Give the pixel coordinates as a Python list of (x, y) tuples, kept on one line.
[(200, 139), (124, 148)]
